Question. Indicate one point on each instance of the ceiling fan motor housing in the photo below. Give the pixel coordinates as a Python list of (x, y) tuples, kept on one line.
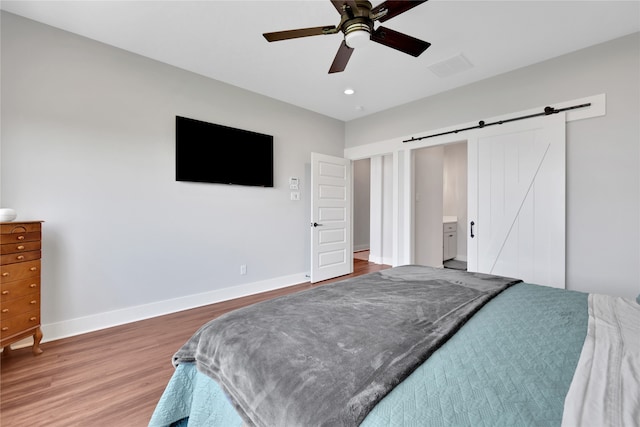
[(357, 25)]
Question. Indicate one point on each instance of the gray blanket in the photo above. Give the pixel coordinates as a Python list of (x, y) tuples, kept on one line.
[(326, 356)]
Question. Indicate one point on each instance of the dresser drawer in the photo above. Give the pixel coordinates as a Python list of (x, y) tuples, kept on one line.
[(19, 257), (14, 248), (19, 324), (19, 288), (20, 227), (16, 307), (19, 271), (449, 226), (20, 237)]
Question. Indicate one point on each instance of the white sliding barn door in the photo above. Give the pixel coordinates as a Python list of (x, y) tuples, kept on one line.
[(331, 246), (517, 200)]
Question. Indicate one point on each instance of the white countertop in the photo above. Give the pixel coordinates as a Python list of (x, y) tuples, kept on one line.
[(447, 219)]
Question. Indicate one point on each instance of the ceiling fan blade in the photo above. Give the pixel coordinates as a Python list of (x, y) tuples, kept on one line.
[(402, 42), (341, 59), (338, 4), (302, 32), (395, 8)]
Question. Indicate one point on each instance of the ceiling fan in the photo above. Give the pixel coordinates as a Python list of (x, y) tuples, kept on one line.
[(356, 22)]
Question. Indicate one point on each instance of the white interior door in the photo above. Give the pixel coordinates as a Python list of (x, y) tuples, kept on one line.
[(517, 200), (331, 245)]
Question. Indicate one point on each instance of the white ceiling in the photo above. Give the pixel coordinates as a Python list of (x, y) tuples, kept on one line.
[(223, 40)]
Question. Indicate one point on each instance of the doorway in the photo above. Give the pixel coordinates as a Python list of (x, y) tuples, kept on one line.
[(373, 212), (361, 208), (440, 205)]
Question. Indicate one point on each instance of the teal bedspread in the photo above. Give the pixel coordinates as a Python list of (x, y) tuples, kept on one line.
[(511, 364)]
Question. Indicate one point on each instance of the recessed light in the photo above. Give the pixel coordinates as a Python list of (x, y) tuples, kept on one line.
[(349, 91)]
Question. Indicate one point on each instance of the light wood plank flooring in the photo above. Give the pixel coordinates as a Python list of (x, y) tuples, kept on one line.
[(110, 377)]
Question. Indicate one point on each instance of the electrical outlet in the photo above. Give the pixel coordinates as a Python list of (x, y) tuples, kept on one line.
[(243, 269)]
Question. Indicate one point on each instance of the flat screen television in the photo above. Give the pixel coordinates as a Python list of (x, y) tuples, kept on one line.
[(207, 152)]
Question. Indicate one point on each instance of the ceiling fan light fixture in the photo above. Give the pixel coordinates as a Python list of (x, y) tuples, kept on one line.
[(357, 35), (357, 19)]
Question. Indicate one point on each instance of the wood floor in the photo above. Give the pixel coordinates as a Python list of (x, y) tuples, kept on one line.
[(110, 377)]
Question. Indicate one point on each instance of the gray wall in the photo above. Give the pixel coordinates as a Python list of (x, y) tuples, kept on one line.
[(88, 146), (361, 204), (429, 164), (603, 154)]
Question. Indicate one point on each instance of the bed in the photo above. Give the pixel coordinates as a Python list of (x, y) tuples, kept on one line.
[(496, 352)]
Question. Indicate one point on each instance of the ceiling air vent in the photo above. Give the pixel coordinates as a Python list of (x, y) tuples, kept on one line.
[(451, 66)]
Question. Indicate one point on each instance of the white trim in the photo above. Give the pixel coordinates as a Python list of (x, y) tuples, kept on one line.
[(395, 196), (402, 208), (597, 109), (375, 209), (352, 248), (381, 260), (406, 212), (376, 259), (81, 325)]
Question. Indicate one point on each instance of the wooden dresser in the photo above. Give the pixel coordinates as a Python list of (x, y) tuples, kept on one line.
[(20, 244)]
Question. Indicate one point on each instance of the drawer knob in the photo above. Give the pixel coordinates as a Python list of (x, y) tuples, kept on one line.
[(33, 268), (20, 247), (33, 319), (5, 274), (5, 328), (20, 237), (33, 302), (33, 285), (5, 310), (5, 292), (20, 257)]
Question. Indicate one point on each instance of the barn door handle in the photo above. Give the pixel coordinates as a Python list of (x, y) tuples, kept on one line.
[(315, 224), (472, 224)]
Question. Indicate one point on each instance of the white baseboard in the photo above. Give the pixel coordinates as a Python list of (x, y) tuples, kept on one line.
[(380, 260), (375, 259), (81, 325)]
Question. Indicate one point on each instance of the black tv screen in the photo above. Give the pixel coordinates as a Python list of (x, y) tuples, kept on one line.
[(207, 152)]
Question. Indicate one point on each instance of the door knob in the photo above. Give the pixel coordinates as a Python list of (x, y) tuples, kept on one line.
[(315, 224)]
